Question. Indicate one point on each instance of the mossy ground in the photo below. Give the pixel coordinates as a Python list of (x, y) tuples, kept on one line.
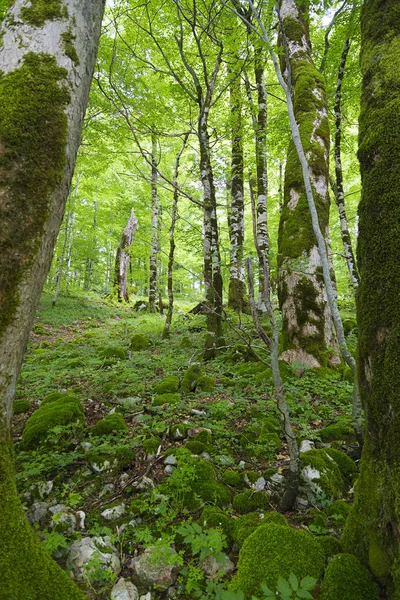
[(212, 489)]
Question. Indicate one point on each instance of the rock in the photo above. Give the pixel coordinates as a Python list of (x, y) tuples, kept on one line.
[(38, 513), (109, 488), (168, 469), (41, 489), (259, 484), (146, 596), (194, 431), (277, 478), (113, 513), (81, 519), (211, 566), (145, 483), (205, 455), (82, 551), (62, 519), (86, 445), (124, 590), (148, 572), (306, 445), (170, 460)]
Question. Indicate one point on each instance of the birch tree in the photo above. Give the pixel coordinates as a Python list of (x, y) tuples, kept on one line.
[(154, 227), (47, 59)]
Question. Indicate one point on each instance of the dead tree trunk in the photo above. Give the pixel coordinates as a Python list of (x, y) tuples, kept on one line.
[(122, 259)]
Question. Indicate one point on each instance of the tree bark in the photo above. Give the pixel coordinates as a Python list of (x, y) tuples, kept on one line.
[(154, 227), (372, 531), (44, 89), (237, 289), (122, 259), (307, 326)]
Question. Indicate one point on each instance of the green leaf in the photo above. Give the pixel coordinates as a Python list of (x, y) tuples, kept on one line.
[(308, 583), (294, 582), (283, 587), (266, 589), (301, 593)]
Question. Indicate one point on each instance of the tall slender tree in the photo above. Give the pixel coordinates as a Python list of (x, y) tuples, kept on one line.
[(47, 59), (122, 259), (154, 251)]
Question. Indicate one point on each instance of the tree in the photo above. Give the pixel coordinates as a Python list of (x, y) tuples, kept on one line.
[(307, 323), (46, 64), (372, 532), (122, 259), (154, 251)]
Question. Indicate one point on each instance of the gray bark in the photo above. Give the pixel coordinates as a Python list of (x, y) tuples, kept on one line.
[(122, 259), (154, 227)]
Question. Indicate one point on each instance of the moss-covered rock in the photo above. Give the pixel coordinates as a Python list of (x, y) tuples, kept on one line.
[(233, 478), (110, 424), (192, 374), (327, 470), (264, 377), (205, 384), (139, 342), (52, 397), (274, 550), (250, 500), (205, 437), (166, 399), (196, 447), (178, 431), (346, 578), (21, 406), (169, 385), (339, 508), (65, 411), (151, 444), (113, 352), (330, 545), (245, 525), (213, 517), (337, 432)]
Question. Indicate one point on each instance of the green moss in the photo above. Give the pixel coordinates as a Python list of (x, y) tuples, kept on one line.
[(113, 352), (41, 11), (139, 342), (346, 578), (168, 385), (151, 444), (166, 399), (192, 374), (330, 545), (205, 384), (250, 500), (250, 368), (237, 296), (349, 325), (346, 464), (110, 424), (27, 570), (178, 431), (275, 550), (335, 432), (54, 396), (196, 447), (65, 411), (33, 136), (68, 39), (264, 376), (245, 525), (339, 508), (186, 342), (204, 437), (21, 406), (214, 517), (233, 478), (334, 467)]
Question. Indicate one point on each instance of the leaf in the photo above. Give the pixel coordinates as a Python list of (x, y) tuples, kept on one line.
[(294, 582), (308, 583), (266, 589), (283, 587), (301, 593)]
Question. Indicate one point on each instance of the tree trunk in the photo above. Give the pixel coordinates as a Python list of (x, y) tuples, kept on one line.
[(171, 255), (44, 89), (307, 326), (339, 190), (122, 259), (372, 531), (237, 289), (154, 227)]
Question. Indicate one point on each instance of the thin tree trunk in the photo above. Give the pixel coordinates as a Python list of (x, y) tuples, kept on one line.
[(154, 227), (237, 289), (62, 259), (40, 127), (69, 251), (339, 190), (171, 255), (122, 259)]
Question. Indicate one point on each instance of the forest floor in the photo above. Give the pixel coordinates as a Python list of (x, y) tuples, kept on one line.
[(190, 474)]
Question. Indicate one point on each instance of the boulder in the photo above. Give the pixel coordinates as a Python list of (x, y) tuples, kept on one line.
[(124, 590), (149, 570), (83, 551)]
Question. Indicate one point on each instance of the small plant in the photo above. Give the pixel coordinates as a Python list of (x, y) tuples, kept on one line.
[(290, 589)]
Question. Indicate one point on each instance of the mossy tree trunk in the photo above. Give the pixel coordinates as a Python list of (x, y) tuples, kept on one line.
[(122, 259), (373, 529), (307, 330), (237, 289), (154, 227), (46, 64)]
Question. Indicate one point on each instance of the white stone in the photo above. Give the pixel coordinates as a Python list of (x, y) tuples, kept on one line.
[(82, 551), (306, 445), (211, 566), (124, 590), (113, 513), (170, 460)]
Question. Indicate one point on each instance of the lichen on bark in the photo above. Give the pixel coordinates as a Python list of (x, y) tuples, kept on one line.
[(33, 133), (307, 332), (372, 530)]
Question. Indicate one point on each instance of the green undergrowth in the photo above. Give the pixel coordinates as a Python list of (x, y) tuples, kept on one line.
[(206, 436)]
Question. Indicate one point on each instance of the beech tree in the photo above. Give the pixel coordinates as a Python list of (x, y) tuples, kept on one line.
[(372, 531), (47, 59)]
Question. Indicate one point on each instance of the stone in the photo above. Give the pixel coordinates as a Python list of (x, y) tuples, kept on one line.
[(194, 431), (84, 550), (62, 519), (306, 445), (109, 488), (124, 590), (170, 460), (168, 469), (259, 484), (146, 596), (38, 513), (145, 483), (210, 565), (41, 489), (148, 572), (277, 478), (114, 513)]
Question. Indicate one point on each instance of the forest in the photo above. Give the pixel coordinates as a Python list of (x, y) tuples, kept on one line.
[(199, 299)]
